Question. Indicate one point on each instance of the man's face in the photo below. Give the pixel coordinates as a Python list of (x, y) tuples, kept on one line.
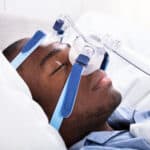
[(45, 72)]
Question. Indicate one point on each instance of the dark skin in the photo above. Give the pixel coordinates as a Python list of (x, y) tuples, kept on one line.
[(45, 72)]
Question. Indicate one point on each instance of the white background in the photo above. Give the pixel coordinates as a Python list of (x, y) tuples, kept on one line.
[(135, 10)]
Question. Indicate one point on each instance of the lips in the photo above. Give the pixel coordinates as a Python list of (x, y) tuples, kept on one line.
[(101, 80)]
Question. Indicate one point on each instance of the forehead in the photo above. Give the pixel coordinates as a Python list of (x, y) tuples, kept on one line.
[(39, 54), (44, 52), (35, 56), (39, 51)]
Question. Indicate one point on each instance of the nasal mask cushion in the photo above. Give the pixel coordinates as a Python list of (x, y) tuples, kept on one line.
[(66, 30), (96, 54)]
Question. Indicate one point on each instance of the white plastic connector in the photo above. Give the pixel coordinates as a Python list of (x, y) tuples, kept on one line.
[(96, 54)]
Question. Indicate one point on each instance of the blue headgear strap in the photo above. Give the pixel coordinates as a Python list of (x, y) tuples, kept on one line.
[(68, 96), (30, 46)]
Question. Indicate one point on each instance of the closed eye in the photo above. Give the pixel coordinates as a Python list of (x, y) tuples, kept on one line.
[(57, 69)]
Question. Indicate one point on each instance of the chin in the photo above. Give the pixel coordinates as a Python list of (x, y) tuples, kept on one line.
[(116, 96)]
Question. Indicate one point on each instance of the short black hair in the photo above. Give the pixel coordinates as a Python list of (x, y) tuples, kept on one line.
[(11, 51)]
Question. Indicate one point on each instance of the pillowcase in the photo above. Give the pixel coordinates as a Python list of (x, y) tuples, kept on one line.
[(24, 125)]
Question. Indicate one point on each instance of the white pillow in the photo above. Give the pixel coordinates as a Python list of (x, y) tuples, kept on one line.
[(23, 124), (14, 27)]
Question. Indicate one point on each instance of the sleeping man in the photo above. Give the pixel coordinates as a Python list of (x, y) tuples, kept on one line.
[(93, 124)]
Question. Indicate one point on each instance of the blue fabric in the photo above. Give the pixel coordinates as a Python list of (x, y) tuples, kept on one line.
[(63, 103), (117, 139), (67, 98), (28, 49)]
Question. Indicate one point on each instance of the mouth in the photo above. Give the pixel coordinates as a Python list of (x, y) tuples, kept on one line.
[(101, 80)]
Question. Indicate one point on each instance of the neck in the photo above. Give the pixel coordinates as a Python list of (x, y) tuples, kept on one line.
[(76, 134), (106, 127)]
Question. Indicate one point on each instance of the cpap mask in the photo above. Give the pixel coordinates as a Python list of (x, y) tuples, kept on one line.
[(87, 54), (65, 31)]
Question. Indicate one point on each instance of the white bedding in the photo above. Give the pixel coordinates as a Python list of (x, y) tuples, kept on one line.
[(23, 123), (134, 85)]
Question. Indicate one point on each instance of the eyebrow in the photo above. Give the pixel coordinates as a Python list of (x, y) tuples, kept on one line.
[(49, 55)]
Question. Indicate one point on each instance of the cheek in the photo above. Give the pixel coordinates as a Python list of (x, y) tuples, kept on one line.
[(48, 93), (58, 81), (54, 86), (103, 98)]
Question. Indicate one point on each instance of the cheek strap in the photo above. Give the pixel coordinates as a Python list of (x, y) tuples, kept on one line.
[(67, 98)]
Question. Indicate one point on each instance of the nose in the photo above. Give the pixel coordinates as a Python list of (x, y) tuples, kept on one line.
[(93, 78), (97, 75)]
